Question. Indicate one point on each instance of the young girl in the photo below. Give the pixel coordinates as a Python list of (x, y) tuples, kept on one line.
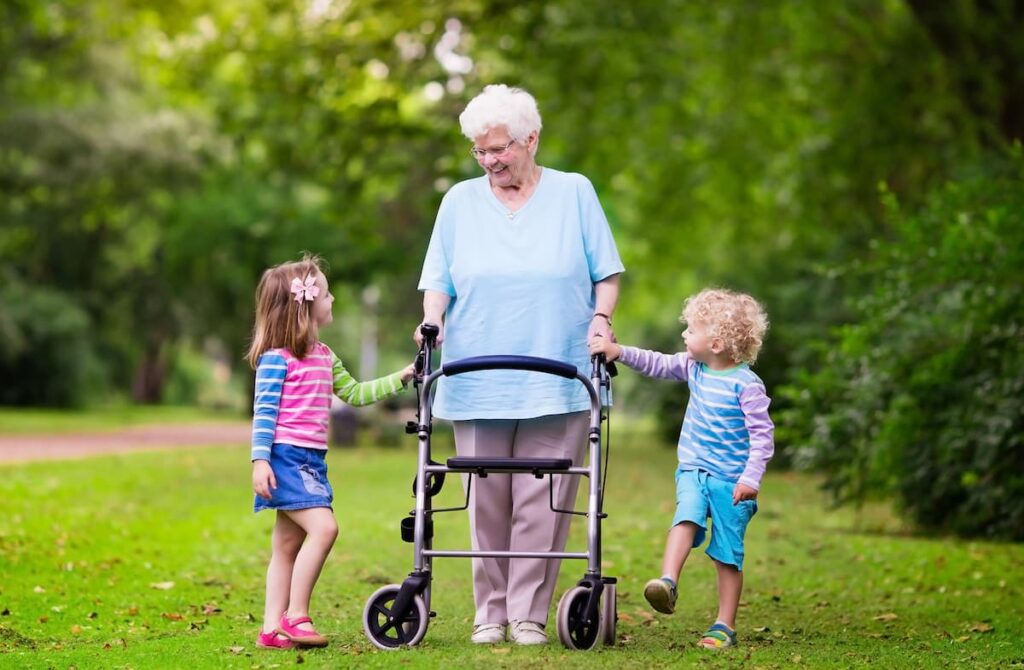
[(295, 377), (725, 443)]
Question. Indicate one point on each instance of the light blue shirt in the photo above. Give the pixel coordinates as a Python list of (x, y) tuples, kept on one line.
[(522, 285)]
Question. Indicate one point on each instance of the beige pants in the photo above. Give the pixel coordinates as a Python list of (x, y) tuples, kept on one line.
[(512, 512)]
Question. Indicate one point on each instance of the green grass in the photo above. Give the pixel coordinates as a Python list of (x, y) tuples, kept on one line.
[(86, 546), (41, 420)]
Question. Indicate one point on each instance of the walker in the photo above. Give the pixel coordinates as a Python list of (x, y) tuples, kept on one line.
[(397, 615)]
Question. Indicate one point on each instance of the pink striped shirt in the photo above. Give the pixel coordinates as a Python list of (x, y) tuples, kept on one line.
[(305, 399), (293, 397)]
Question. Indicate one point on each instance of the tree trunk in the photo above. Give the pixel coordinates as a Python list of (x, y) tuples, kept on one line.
[(148, 385)]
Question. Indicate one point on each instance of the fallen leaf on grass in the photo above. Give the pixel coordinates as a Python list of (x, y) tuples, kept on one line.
[(162, 586), (39, 589), (888, 616), (982, 628), (44, 619), (962, 639), (762, 629), (211, 608), (501, 650), (76, 629), (625, 618), (173, 616), (236, 650)]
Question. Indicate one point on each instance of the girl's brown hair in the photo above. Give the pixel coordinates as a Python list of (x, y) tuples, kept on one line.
[(281, 321)]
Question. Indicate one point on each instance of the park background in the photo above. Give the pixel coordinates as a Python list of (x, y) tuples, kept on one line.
[(856, 165)]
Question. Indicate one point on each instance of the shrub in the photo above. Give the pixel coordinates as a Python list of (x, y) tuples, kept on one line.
[(45, 347), (921, 396)]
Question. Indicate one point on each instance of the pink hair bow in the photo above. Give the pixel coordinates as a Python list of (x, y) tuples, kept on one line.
[(305, 290)]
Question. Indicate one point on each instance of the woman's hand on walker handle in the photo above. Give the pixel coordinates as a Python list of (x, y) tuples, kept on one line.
[(600, 326), (434, 305), (604, 345), (417, 336), (263, 479)]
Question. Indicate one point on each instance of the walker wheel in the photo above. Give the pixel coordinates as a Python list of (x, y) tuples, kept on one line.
[(390, 630), (609, 613), (575, 630)]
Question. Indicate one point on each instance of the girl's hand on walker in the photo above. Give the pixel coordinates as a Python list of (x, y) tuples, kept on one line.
[(743, 492), (408, 372), (263, 480)]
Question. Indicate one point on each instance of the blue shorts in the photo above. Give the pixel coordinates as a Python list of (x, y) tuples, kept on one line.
[(301, 475), (700, 496)]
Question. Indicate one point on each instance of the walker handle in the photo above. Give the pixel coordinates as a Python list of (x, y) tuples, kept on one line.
[(429, 332), (533, 363)]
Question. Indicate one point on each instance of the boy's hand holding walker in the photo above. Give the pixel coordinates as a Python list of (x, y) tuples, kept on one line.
[(602, 345)]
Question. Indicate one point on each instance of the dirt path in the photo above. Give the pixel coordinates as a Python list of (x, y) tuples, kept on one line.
[(60, 446)]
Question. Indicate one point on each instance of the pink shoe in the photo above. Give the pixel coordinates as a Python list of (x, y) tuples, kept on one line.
[(273, 641), (305, 638)]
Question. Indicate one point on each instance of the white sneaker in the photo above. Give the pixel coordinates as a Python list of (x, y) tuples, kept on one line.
[(527, 632), (488, 633)]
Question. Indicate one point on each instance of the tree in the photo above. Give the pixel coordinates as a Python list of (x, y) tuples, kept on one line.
[(980, 41), (919, 398)]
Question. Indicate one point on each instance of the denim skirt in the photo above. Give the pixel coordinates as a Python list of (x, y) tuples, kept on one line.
[(301, 475)]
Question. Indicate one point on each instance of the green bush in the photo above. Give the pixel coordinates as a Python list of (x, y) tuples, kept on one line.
[(921, 397), (203, 378), (45, 347)]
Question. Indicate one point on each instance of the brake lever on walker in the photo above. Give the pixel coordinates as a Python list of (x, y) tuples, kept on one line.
[(608, 366)]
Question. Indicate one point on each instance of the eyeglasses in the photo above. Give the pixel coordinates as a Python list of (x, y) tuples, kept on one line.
[(495, 151)]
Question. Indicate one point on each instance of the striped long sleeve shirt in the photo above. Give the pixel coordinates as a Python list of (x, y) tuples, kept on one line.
[(293, 397), (726, 430)]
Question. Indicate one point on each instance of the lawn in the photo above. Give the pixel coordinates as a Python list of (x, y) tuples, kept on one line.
[(23, 420), (153, 560)]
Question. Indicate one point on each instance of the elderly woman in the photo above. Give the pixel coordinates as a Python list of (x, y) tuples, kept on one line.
[(521, 261)]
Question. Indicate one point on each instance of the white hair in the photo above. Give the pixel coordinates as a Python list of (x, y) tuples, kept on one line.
[(501, 105)]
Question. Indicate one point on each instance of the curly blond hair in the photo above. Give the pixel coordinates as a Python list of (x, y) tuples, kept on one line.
[(736, 319)]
